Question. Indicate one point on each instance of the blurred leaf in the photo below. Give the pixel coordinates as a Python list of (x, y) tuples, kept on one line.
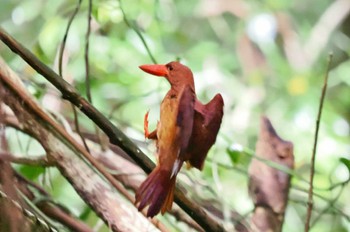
[(30, 172), (346, 162), (51, 35), (85, 214), (297, 85), (109, 11), (234, 154)]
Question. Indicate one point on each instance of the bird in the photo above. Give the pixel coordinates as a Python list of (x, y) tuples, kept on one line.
[(185, 132)]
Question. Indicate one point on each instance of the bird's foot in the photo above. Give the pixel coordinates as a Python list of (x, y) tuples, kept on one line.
[(145, 125)]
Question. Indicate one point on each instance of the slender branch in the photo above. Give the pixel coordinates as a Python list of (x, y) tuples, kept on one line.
[(77, 127), (87, 70), (328, 206), (313, 156), (60, 69), (86, 56), (115, 135), (63, 45), (228, 167), (33, 161), (330, 210), (137, 31)]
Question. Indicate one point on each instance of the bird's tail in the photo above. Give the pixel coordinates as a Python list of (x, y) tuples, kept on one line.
[(157, 191)]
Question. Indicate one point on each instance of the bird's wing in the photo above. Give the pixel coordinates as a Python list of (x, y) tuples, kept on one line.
[(183, 130), (206, 125), (185, 115)]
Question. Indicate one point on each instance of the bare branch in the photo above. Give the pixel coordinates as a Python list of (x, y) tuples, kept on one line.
[(137, 31), (86, 55), (37, 161), (313, 156), (63, 45), (60, 68)]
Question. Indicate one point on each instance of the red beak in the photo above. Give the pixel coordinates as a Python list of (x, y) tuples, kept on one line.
[(155, 69)]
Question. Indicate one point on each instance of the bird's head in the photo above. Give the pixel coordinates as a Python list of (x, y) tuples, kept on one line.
[(176, 73)]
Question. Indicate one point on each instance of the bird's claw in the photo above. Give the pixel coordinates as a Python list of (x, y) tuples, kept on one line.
[(145, 125)]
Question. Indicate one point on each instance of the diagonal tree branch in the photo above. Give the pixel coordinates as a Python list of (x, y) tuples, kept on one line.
[(69, 157)]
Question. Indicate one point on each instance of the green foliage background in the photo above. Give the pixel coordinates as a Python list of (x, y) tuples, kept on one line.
[(256, 77)]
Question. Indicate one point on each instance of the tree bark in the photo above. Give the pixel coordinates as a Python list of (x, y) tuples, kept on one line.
[(269, 186)]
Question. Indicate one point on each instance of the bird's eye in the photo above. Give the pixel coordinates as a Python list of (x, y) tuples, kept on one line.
[(170, 68)]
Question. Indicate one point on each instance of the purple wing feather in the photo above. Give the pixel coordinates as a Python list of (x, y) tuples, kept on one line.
[(206, 125)]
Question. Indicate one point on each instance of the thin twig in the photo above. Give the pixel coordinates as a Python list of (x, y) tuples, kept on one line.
[(137, 31), (229, 167), (32, 161), (86, 55), (60, 71), (64, 41), (328, 206), (313, 157), (323, 198), (87, 71), (77, 127)]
